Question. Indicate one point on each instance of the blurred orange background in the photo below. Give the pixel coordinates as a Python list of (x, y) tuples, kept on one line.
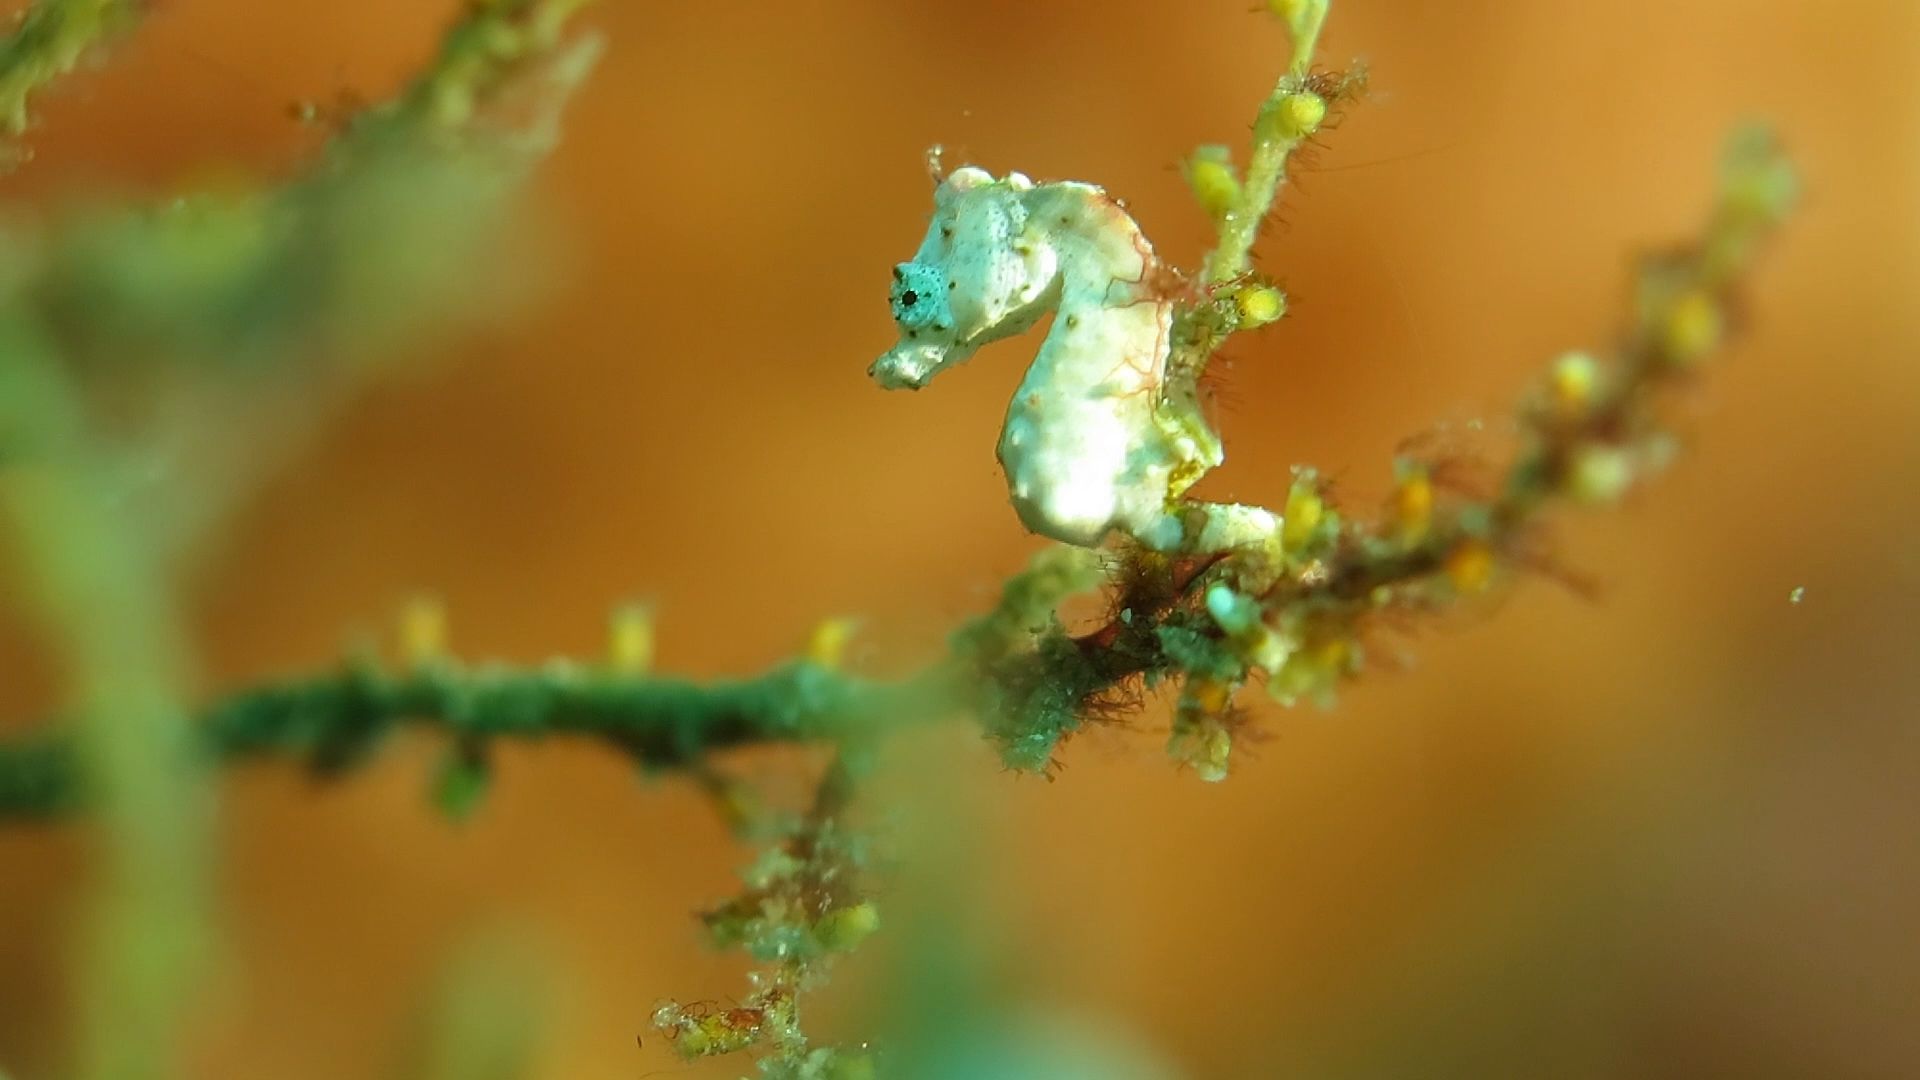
[(1670, 832)]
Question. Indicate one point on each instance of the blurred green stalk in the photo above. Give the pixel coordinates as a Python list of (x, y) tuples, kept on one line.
[(48, 41), (98, 588)]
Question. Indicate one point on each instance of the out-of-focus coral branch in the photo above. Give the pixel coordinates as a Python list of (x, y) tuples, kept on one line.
[(49, 39), (373, 243), (806, 903), (334, 722), (271, 278)]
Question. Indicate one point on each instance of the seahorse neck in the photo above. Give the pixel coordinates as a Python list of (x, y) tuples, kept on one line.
[(1099, 325), (1098, 245)]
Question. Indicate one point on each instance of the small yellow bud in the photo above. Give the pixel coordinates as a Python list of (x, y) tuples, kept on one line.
[(827, 646), (423, 632), (1267, 650), (845, 928), (1692, 328), (1572, 383), (695, 1041), (1209, 695), (1260, 305), (1599, 475), (630, 640), (1305, 510), (1297, 115), (1470, 566), (1413, 503), (1211, 175)]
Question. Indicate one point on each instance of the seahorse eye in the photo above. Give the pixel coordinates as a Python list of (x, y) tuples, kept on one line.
[(918, 302)]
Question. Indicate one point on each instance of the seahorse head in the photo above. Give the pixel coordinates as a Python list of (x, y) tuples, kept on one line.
[(981, 274)]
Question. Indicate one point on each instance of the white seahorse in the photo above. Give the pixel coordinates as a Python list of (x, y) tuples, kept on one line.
[(1083, 451)]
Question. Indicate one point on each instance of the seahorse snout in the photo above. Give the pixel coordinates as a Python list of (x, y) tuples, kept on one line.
[(906, 367)]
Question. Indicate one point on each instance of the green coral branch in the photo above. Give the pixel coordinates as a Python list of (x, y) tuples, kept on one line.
[(336, 721), (1592, 431), (487, 51), (1290, 116), (1230, 297), (49, 40)]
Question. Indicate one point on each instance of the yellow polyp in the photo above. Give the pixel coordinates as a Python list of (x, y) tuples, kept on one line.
[(694, 1041), (1574, 379), (630, 640), (1215, 185), (1599, 475), (721, 1034), (845, 928), (1298, 115), (827, 645), (1470, 566), (1209, 695), (1184, 476), (1305, 510), (423, 632), (1692, 328), (1267, 650), (1260, 305), (1413, 504)]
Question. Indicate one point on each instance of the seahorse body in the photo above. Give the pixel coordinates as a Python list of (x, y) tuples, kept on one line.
[(1081, 448)]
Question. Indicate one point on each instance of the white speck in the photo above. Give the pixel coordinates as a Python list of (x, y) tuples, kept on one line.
[(1798, 594)]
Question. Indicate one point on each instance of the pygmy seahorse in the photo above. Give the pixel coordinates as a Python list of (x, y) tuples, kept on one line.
[(1083, 449)]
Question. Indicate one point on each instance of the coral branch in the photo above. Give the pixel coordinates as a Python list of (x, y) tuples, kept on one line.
[(267, 281), (1288, 118), (275, 278), (1591, 432), (336, 721), (50, 38)]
